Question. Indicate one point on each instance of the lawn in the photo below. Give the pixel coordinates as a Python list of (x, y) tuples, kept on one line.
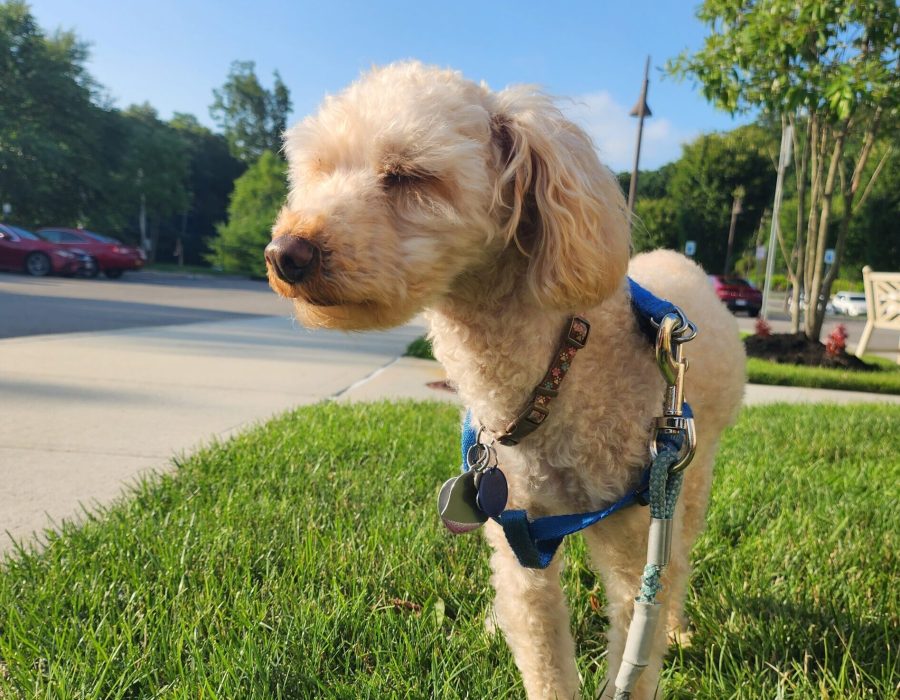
[(884, 380), (304, 559)]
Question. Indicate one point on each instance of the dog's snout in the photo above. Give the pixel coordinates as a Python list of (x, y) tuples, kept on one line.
[(291, 257)]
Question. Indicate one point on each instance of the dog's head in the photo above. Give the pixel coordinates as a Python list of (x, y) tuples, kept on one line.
[(413, 178)]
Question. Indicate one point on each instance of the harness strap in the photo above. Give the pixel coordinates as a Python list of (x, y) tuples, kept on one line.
[(534, 542)]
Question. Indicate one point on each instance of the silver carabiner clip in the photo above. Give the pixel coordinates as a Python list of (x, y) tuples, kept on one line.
[(674, 330)]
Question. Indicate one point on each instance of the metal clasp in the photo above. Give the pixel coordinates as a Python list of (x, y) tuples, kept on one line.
[(674, 330)]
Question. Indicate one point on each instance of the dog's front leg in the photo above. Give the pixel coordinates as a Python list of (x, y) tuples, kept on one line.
[(531, 610)]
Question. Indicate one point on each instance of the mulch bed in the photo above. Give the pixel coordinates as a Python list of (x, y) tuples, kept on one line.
[(797, 349)]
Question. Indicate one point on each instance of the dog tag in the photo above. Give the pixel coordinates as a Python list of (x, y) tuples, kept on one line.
[(457, 504), (492, 492)]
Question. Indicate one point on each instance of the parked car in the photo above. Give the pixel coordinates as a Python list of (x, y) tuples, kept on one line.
[(850, 303), (829, 309), (112, 257), (737, 294), (20, 249)]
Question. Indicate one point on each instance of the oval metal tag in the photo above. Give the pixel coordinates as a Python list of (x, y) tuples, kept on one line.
[(457, 504)]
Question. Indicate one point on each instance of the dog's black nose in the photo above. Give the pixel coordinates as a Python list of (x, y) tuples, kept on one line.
[(291, 257)]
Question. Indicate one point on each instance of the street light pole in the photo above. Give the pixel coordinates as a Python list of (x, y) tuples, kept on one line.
[(641, 110)]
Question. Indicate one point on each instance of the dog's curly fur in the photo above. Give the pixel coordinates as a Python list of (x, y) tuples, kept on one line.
[(490, 210)]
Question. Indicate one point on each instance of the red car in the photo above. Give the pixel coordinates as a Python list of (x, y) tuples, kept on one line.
[(112, 257), (22, 250), (737, 294)]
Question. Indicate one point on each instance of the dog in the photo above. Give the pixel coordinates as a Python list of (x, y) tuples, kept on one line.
[(415, 189)]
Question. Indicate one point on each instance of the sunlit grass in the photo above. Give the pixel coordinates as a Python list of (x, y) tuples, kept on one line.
[(304, 559)]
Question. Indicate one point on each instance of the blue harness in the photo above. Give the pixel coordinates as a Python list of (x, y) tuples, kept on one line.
[(534, 542)]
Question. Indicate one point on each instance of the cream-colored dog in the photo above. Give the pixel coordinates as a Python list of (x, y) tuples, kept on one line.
[(417, 189)]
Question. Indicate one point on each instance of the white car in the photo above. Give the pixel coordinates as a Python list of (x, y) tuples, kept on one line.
[(850, 303)]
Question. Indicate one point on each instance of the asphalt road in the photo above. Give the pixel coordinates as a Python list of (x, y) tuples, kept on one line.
[(37, 306), (46, 305)]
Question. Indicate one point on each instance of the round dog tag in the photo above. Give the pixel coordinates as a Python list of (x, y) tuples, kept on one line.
[(492, 492), (457, 504)]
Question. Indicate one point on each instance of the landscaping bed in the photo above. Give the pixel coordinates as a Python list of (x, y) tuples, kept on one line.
[(305, 559), (797, 349)]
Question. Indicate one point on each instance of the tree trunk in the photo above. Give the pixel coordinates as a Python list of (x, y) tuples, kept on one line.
[(849, 188), (815, 311)]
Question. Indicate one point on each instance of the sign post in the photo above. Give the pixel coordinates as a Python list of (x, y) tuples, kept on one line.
[(783, 159)]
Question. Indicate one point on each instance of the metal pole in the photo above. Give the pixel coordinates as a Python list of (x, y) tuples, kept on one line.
[(639, 111), (783, 159), (735, 210)]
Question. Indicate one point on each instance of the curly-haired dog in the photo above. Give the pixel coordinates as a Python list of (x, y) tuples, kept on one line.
[(417, 189)]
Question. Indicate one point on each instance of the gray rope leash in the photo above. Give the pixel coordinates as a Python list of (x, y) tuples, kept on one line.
[(664, 489)]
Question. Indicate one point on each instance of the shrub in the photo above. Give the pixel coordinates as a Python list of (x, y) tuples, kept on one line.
[(836, 343), (258, 195), (762, 328)]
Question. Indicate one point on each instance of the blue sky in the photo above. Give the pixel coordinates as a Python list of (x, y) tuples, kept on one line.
[(172, 53)]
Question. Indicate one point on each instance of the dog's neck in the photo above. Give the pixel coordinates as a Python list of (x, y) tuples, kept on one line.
[(495, 342)]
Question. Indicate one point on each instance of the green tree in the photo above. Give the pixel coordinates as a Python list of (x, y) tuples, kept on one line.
[(654, 223), (829, 68), (258, 195), (252, 118), (702, 185), (49, 126), (874, 238), (153, 173), (212, 172)]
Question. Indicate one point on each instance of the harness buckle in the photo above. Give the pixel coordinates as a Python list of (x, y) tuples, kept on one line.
[(674, 330)]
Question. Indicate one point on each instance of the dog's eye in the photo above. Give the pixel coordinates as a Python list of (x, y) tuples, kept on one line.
[(403, 177), (397, 178)]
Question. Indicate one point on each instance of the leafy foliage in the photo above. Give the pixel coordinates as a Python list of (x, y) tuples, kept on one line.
[(68, 158), (691, 199), (827, 67), (252, 117), (258, 195), (48, 170)]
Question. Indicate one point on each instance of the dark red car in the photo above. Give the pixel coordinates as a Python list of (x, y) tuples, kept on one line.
[(737, 294), (111, 256), (21, 250)]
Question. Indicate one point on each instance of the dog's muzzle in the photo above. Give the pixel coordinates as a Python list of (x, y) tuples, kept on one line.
[(292, 258)]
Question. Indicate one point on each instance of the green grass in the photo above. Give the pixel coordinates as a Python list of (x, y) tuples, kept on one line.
[(421, 348), (304, 559), (884, 380)]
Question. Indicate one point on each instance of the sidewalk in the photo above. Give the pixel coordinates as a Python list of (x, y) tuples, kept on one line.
[(87, 413)]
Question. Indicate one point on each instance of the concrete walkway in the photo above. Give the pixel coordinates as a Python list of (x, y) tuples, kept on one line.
[(84, 414)]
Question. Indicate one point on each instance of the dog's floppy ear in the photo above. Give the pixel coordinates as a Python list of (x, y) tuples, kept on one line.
[(565, 210)]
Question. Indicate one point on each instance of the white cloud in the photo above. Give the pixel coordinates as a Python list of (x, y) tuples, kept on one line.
[(614, 132)]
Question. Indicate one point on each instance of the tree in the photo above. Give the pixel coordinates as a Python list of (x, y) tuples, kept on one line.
[(49, 127), (153, 173), (212, 172), (691, 199), (873, 236), (829, 68), (252, 117), (258, 195)]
